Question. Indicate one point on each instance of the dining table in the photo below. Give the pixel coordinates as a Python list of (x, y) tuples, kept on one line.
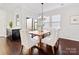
[(40, 34)]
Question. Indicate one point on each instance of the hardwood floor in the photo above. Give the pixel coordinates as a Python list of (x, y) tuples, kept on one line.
[(11, 47), (14, 47), (43, 50)]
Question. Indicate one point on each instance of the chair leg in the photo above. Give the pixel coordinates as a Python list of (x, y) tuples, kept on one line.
[(21, 52)]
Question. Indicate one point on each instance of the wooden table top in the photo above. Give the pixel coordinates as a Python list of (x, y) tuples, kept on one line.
[(39, 33)]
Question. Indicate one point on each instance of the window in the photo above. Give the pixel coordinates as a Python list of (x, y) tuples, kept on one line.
[(56, 21), (35, 24), (17, 20), (46, 23)]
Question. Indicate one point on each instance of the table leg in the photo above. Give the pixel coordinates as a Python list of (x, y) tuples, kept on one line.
[(40, 41)]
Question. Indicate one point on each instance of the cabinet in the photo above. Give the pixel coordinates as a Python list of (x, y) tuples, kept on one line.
[(16, 35)]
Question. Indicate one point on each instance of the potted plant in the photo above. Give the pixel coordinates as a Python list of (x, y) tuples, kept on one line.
[(10, 29), (11, 24)]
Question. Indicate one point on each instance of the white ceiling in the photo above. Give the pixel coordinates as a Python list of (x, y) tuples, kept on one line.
[(32, 7)]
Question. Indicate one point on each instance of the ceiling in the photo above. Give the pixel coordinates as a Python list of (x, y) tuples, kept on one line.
[(32, 7)]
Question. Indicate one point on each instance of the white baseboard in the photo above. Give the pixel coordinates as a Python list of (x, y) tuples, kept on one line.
[(3, 36)]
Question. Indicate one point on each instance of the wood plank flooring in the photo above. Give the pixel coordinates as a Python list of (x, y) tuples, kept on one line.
[(45, 49), (10, 47)]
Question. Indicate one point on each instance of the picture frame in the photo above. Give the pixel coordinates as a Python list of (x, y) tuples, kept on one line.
[(74, 19)]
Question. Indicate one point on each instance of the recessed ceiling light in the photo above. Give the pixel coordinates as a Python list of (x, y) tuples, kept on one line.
[(62, 4)]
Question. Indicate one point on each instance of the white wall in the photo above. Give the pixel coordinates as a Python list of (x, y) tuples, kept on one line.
[(3, 20), (68, 30)]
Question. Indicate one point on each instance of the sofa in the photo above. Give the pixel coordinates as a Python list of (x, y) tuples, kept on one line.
[(66, 47)]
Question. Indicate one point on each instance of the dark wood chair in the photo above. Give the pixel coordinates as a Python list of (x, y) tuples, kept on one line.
[(66, 47)]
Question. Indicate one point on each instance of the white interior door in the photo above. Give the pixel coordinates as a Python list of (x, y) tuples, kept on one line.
[(29, 24)]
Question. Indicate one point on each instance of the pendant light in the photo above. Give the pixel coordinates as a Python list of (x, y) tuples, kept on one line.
[(42, 17)]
